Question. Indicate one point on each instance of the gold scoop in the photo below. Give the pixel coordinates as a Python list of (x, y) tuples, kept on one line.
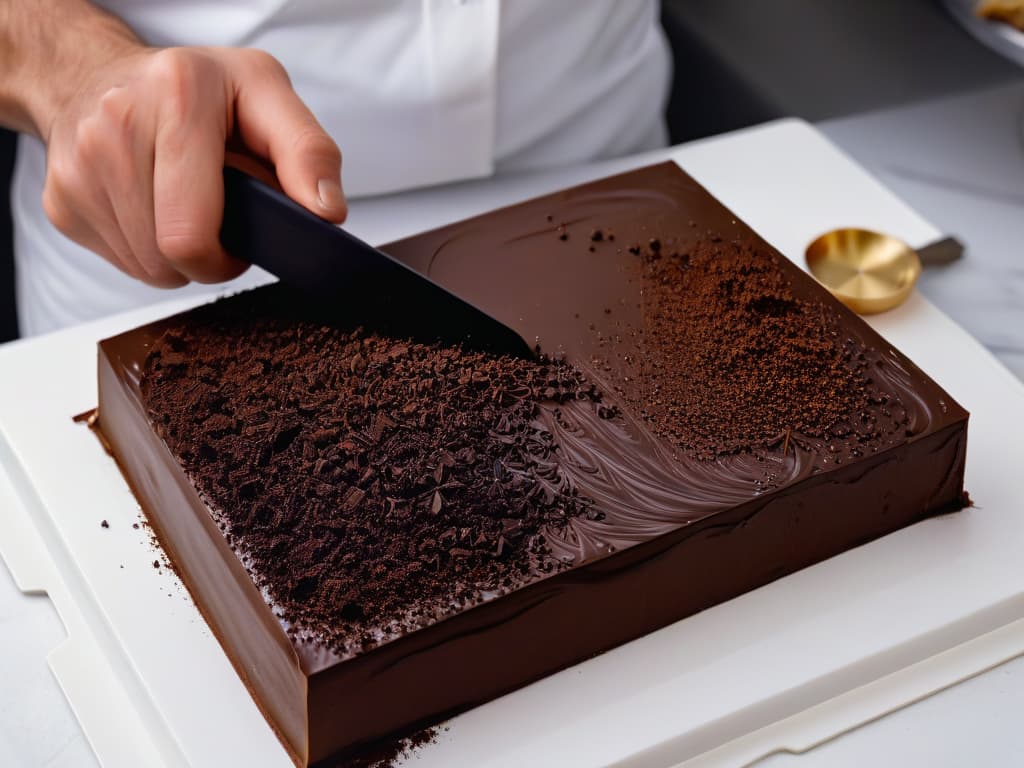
[(870, 272)]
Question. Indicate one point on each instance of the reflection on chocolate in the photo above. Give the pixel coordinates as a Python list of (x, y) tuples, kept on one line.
[(787, 431)]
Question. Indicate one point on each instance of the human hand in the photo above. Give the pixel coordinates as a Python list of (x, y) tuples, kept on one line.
[(135, 154)]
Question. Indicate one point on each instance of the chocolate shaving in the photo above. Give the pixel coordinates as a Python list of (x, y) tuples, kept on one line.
[(398, 491)]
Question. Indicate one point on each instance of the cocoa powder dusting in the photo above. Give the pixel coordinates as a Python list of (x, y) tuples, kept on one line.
[(732, 360), (369, 485)]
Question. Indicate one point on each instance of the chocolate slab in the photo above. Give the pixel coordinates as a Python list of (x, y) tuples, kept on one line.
[(680, 531)]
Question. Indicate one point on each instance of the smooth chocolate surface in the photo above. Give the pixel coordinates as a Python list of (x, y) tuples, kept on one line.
[(630, 280)]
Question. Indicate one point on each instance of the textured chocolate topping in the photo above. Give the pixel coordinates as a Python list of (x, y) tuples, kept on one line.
[(729, 359), (787, 432), (370, 486)]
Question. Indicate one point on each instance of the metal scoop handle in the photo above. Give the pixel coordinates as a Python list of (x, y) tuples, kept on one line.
[(941, 252)]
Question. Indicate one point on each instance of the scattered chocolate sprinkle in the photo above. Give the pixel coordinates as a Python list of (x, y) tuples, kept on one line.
[(104, 524)]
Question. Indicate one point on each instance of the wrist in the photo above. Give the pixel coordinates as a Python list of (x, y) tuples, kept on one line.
[(89, 41)]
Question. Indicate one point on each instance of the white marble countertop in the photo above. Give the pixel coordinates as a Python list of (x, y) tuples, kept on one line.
[(960, 163)]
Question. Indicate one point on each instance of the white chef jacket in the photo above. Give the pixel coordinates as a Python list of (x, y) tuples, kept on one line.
[(415, 92)]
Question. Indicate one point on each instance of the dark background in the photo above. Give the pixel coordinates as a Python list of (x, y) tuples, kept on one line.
[(8, 323), (738, 63)]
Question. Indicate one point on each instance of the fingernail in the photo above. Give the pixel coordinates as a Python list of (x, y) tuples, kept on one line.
[(332, 198)]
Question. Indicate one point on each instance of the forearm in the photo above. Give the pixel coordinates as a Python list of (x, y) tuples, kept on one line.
[(136, 136), (47, 48)]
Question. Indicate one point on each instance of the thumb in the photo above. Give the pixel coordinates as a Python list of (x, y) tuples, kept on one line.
[(274, 123)]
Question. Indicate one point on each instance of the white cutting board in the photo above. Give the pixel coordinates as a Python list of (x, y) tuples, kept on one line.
[(779, 668)]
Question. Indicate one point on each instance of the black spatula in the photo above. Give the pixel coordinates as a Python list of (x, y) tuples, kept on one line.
[(266, 228)]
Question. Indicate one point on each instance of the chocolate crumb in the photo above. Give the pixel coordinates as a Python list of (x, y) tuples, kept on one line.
[(385, 499), (387, 753), (104, 524)]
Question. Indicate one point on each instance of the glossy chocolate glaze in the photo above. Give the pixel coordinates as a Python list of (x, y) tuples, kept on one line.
[(536, 267)]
